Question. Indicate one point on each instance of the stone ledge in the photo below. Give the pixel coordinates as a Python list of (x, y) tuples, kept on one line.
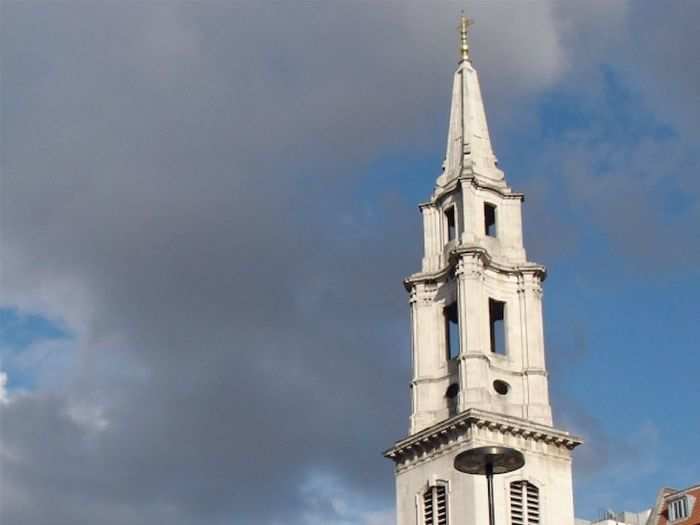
[(477, 181), (445, 435), (487, 260)]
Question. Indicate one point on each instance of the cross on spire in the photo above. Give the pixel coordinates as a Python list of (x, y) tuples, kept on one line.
[(464, 25)]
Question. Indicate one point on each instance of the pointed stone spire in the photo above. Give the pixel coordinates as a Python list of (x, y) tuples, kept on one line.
[(469, 151)]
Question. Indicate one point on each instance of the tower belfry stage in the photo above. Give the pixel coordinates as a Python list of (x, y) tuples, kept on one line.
[(479, 374)]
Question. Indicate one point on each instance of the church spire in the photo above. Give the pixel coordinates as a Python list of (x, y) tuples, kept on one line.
[(479, 375), (469, 150)]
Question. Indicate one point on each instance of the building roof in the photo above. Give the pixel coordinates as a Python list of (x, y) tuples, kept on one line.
[(660, 512)]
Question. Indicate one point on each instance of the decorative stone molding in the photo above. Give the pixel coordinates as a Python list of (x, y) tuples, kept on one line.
[(521, 270), (422, 292), (468, 176), (502, 191), (536, 272), (428, 278), (452, 433)]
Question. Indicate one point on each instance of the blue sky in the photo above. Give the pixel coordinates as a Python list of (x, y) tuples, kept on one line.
[(208, 210), (28, 345)]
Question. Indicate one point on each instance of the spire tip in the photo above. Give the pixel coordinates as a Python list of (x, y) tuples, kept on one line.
[(464, 25)]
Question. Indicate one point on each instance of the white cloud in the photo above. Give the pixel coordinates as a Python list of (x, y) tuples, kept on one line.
[(3, 387), (326, 500), (88, 415)]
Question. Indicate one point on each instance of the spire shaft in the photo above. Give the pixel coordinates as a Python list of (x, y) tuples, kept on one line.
[(469, 150)]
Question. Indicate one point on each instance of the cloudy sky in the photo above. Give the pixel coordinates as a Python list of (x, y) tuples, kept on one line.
[(207, 209)]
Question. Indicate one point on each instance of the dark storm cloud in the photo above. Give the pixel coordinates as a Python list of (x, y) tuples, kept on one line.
[(178, 182), (185, 167)]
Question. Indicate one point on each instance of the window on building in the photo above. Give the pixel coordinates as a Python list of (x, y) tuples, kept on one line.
[(524, 503), (452, 330), (435, 505), (501, 387), (490, 219), (678, 509), (497, 314), (451, 224), (451, 396)]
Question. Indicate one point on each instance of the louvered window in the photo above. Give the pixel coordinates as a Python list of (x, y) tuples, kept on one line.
[(435, 505), (524, 503), (678, 509)]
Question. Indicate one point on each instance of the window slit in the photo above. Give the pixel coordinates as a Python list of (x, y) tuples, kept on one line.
[(490, 219), (451, 224), (497, 310), (452, 330)]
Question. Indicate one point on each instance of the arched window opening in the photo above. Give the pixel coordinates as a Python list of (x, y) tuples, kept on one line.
[(524, 503), (435, 505)]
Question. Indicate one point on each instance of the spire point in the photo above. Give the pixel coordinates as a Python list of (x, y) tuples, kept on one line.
[(465, 23)]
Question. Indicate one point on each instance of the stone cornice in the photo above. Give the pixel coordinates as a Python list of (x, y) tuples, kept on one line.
[(504, 367), (504, 191), (486, 259), (426, 277), (477, 182), (490, 262), (442, 435)]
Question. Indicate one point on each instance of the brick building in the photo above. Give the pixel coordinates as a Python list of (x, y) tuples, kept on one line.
[(676, 507), (672, 507)]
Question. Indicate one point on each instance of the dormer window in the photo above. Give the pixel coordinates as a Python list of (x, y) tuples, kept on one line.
[(678, 509), (490, 219), (451, 223)]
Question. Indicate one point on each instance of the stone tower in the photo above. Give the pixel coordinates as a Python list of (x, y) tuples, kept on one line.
[(479, 373)]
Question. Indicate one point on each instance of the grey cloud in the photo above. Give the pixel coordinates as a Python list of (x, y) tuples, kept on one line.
[(666, 63), (191, 202)]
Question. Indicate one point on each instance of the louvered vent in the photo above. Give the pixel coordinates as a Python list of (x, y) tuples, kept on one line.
[(435, 506), (441, 504), (524, 503), (516, 503), (429, 517), (533, 504)]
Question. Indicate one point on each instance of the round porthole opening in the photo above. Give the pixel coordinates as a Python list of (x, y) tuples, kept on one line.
[(501, 387)]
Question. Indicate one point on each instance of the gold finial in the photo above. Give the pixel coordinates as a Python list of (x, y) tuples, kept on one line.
[(464, 25)]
